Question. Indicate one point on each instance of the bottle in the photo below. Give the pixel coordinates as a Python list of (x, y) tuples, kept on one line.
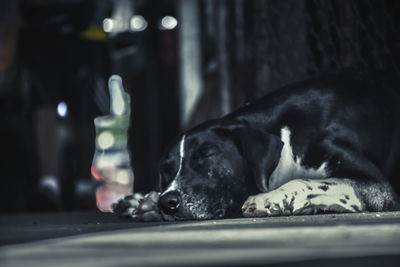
[(111, 164)]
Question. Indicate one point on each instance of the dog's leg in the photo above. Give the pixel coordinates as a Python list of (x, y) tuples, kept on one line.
[(306, 196)]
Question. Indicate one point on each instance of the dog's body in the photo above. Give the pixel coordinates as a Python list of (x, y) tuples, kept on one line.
[(330, 144)]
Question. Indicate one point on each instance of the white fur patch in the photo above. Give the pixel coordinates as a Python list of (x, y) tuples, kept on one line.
[(181, 155), (174, 184), (290, 167), (305, 197)]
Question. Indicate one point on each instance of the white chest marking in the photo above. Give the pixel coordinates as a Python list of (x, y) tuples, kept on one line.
[(290, 167), (174, 185)]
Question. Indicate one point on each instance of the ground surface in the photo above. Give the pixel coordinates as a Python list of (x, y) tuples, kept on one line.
[(94, 239)]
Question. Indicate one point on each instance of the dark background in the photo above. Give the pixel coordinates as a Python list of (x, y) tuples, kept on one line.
[(237, 51)]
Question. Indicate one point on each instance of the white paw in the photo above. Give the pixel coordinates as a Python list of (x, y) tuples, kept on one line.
[(304, 197), (274, 203)]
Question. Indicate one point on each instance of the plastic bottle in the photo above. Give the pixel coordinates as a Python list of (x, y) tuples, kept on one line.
[(112, 161)]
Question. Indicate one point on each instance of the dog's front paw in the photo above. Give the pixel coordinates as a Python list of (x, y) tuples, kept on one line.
[(275, 203), (139, 207), (267, 204), (127, 206)]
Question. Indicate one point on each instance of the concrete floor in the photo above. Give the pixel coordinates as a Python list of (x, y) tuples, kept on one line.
[(93, 239)]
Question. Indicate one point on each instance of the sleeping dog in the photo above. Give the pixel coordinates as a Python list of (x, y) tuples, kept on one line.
[(330, 144)]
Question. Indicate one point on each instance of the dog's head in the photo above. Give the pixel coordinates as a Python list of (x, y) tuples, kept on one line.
[(213, 168)]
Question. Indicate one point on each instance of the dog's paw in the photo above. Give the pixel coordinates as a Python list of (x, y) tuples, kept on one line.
[(274, 203), (303, 197), (127, 206), (139, 207), (278, 202)]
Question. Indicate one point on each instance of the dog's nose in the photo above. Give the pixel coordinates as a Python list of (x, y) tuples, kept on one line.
[(169, 202)]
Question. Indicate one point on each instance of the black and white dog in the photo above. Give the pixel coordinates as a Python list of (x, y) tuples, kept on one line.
[(330, 144)]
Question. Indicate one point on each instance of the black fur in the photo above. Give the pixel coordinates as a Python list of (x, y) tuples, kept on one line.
[(349, 119)]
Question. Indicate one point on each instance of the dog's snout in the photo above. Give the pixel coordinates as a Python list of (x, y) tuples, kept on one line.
[(170, 202)]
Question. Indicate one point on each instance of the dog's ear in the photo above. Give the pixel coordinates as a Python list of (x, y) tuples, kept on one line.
[(260, 149)]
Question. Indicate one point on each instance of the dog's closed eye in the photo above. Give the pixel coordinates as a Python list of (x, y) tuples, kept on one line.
[(204, 157), (206, 150), (209, 154)]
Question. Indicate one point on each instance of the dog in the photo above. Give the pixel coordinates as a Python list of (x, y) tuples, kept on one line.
[(328, 144)]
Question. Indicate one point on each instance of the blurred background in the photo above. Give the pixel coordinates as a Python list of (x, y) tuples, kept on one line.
[(182, 62)]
